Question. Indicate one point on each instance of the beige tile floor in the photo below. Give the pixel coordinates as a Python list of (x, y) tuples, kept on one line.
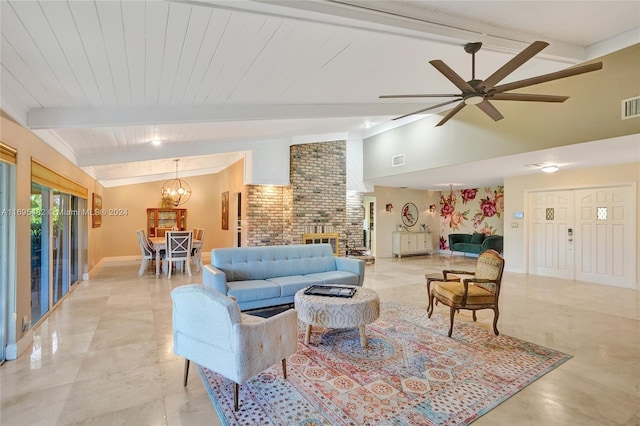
[(105, 357)]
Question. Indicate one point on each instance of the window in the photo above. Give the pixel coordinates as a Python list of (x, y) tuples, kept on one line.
[(56, 204), (550, 213), (602, 213), (54, 247)]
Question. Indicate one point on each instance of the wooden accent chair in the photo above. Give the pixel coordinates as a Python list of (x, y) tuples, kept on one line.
[(479, 292), (209, 329)]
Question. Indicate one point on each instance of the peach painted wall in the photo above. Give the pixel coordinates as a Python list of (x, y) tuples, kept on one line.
[(203, 210), (385, 222), (30, 146)]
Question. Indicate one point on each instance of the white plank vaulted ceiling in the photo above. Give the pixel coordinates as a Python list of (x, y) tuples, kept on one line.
[(98, 80)]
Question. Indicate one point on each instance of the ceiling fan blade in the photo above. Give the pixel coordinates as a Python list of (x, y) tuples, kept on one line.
[(517, 61), (451, 113), (427, 108), (419, 96), (490, 110), (452, 75), (548, 77), (527, 97)]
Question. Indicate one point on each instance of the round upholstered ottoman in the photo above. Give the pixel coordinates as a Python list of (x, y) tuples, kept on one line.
[(338, 312)]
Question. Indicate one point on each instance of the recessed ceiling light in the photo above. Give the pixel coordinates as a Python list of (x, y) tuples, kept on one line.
[(550, 168), (156, 142)]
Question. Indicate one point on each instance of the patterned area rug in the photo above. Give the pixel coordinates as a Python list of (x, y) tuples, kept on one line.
[(410, 374)]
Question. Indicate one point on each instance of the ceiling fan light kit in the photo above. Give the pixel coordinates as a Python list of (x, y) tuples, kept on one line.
[(473, 99), (480, 92)]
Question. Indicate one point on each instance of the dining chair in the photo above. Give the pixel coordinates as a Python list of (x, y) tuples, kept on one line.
[(178, 249), (148, 253), (196, 250)]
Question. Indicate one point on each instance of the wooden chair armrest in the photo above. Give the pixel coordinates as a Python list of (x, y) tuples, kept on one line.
[(480, 280), (455, 272), (466, 282)]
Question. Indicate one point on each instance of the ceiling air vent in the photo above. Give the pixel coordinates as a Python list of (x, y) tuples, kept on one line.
[(397, 160), (631, 108)]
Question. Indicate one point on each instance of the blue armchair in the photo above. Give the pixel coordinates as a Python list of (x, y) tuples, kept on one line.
[(209, 329)]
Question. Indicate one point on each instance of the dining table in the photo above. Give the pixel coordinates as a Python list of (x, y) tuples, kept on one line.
[(160, 243)]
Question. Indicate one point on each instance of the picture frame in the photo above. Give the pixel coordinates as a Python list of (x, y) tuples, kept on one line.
[(96, 211), (225, 211), (409, 214)]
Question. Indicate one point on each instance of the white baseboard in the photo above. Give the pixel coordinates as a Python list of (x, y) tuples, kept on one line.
[(13, 350)]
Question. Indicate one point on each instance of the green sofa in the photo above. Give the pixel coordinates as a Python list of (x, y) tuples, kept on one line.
[(474, 243)]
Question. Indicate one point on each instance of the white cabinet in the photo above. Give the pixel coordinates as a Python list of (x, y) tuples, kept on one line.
[(408, 243)]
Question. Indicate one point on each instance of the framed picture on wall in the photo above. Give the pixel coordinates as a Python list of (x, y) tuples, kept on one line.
[(409, 214), (225, 210), (96, 211)]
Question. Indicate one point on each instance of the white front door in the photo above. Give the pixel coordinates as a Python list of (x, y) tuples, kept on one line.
[(605, 247), (551, 245), (584, 234)]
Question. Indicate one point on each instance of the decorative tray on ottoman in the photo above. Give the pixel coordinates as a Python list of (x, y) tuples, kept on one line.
[(331, 290)]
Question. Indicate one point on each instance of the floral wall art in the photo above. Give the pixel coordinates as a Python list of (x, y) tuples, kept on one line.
[(466, 211)]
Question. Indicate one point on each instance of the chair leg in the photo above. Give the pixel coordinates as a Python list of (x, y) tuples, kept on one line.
[(473, 313), (496, 314), (186, 371), (453, 312), (169, 267), (430, 308), (236, 391), (143, 266), (284, 368)]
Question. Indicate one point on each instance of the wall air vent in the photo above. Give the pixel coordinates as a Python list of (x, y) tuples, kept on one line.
[(631, 108), (397, 160)]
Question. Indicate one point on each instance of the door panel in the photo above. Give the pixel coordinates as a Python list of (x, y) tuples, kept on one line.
[(606, 244), (551, 248)]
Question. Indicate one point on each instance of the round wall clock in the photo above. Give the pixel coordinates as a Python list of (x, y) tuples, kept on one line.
[(409, 214)]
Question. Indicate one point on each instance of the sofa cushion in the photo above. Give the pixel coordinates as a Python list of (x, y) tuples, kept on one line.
[(336, 277), (259, 263), (477, 238), (289, 285), (467, 247), (453, 291), (245, 291)]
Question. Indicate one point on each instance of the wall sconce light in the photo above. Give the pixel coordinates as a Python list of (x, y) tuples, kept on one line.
[(432, 208), (389, 207)]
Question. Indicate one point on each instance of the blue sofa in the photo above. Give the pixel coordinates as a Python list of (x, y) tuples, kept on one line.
[(259, 277)]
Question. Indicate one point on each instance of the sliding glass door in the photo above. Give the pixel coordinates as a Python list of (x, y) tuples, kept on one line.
[(7, 250), (54, 247)]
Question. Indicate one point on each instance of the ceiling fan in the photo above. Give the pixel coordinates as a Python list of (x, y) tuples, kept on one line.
[(480, 92)]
